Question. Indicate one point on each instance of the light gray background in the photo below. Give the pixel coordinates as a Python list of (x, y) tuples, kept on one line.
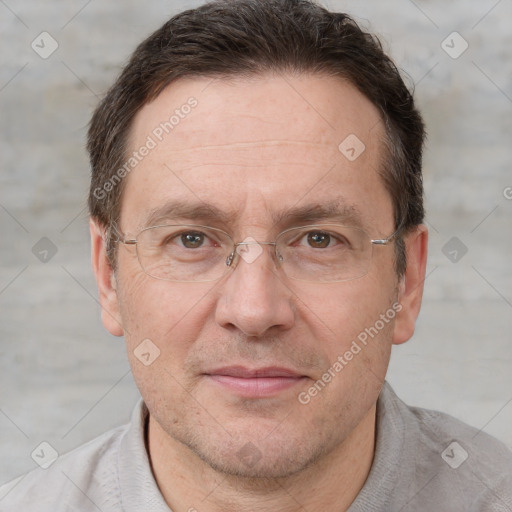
[(64, 379)]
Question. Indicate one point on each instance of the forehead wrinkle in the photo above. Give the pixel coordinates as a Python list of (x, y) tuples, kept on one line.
[(252, 143), (234, 155), (242, 165)]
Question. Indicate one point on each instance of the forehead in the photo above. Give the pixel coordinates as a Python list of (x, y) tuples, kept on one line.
[(255, 147)]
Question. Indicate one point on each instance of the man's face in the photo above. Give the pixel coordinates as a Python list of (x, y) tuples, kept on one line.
[(254, 150)]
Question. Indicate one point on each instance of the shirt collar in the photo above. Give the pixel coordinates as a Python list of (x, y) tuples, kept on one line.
[(139, 490), (389, 446)]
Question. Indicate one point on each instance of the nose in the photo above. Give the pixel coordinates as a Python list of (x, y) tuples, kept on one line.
[(253, 297)]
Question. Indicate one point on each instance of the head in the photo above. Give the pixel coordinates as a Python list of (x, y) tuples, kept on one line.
[(238, 112)]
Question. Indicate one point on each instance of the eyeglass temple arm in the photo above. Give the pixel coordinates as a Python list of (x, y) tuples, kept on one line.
[(119, 237), (383, 241), (390, 238)]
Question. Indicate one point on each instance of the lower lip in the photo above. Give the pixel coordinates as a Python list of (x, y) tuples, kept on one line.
[(257, 386)]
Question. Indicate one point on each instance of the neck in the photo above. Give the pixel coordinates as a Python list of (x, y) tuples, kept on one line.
[(188, 484)]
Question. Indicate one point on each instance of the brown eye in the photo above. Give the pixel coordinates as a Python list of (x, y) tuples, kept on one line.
[(318, 239), (192, 240)]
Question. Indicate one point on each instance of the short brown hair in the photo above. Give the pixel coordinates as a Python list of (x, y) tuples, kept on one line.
[(249, 37)]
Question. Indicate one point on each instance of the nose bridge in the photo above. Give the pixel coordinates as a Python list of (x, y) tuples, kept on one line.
[(259, 264), (248, 250), (253, 298)]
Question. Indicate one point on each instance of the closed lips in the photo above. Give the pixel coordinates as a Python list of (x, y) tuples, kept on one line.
[(246, 373)]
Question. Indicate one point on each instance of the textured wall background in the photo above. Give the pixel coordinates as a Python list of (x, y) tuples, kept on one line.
[(64, 379)]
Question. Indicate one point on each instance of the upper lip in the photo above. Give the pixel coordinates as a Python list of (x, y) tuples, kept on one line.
[(253, 373)]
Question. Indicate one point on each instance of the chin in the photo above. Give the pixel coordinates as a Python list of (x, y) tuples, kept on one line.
[(261, 466), (279, 457)]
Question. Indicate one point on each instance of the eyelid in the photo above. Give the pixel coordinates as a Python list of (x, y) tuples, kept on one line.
[(322, 228), (209, 234), (331, 234)]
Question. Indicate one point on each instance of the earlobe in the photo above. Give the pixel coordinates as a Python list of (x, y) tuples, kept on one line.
[(410, 288), (106, 281)]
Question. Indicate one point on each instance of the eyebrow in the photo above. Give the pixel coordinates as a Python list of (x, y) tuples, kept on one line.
[(336, 210)]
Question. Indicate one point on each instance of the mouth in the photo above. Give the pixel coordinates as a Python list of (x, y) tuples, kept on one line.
[(255, 382)]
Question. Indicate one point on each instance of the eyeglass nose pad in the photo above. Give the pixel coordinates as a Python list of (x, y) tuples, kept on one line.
[(230, 259)]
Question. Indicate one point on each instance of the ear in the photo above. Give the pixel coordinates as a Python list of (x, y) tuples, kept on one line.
[(106, 281), (411, 284)]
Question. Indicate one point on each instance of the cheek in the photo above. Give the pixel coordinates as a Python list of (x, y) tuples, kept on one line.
[(352, 324), (163, 321), (341, 311), (171, 315)]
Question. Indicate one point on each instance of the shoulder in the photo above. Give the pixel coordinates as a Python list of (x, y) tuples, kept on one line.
[(458, 461), (460, 442), (83, 479)]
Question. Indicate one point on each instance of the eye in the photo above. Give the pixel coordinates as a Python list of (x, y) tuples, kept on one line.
[(318, 239), (192, 239), (184, 239)]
